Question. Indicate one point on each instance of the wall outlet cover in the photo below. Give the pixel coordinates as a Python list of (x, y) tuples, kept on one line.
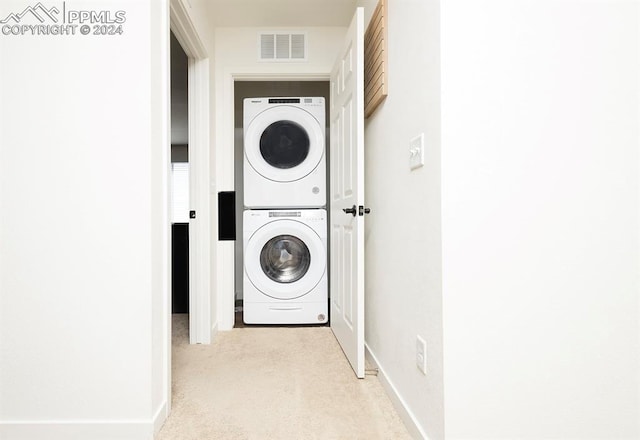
[(416, 152), (421, 354)]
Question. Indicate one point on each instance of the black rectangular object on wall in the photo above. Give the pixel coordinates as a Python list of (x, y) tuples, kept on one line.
[(227, 215), (180, 268)]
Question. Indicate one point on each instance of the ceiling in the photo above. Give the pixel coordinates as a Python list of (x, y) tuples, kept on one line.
[(281, 13)]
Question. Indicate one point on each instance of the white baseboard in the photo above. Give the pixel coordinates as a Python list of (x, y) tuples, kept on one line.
[(160, 417), (214, 331), (76, 430), (398, 402)]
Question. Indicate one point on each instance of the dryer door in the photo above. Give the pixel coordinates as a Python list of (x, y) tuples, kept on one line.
[(285, 259), (284, 143)]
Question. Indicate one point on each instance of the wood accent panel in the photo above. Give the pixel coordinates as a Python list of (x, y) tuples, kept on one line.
[(375, 59)]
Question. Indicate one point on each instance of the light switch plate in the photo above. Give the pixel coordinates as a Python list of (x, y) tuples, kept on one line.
[(416, 152), (421, 354)]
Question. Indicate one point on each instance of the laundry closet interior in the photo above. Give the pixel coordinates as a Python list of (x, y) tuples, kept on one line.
[(281, 180), (319, 74)]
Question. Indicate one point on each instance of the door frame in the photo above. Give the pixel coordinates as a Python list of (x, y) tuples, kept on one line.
[(200, 331), (225, 281)]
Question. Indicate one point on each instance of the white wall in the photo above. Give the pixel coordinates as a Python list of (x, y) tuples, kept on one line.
[(83, 243), (540, 219), (402, 237), (236, 54)]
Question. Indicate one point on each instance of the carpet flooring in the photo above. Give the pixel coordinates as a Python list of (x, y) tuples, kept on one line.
[(273, 383)]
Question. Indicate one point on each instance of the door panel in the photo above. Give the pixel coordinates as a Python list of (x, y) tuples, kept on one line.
[(347, 191)]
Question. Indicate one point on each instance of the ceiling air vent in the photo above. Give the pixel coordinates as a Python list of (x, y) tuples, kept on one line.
[(283, 46)]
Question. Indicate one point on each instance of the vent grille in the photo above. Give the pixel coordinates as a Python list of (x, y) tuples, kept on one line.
[(297, 46), (282, 46), (267, 48)]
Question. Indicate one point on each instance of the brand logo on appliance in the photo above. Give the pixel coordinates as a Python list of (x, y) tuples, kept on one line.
[(62, 19)]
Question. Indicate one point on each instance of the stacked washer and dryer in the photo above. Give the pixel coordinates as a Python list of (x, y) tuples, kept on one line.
[(285, 221)]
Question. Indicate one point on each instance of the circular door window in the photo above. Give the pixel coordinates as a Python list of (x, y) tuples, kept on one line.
[(284, 144), (285, 259)]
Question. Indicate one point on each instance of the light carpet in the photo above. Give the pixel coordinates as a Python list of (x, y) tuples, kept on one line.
[(268, 383)]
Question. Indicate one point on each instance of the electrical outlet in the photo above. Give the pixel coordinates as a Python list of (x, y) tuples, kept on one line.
[(416, 152), (421, 354)]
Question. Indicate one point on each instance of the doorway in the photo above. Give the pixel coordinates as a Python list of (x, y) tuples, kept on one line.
[(194, 127), (179, 179), (262, 89)]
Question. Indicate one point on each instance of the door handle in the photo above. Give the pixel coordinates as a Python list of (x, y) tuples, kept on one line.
[(362, 210), (351, 210)]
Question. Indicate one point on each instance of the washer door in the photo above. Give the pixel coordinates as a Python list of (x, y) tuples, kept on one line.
[(284, 143), (285, 259)]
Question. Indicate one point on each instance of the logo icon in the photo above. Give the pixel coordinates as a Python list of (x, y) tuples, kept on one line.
[(39, 19), (39, 11)]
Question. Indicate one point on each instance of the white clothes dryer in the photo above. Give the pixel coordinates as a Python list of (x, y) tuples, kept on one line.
[(285, 267), (284, 152)]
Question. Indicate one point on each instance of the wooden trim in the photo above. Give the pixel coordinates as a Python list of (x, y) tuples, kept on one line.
[(375, 59)]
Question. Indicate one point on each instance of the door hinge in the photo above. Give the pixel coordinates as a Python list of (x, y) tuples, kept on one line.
[(192, 214)]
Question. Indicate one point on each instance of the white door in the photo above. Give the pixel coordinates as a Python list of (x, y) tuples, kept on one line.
[(347, 195), (196, 335), (199, 235)]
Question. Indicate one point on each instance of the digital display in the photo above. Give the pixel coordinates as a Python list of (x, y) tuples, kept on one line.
[(284, 101), (285, 214)]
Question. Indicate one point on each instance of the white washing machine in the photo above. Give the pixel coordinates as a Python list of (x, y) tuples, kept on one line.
[(285, 267), (284, 152)]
